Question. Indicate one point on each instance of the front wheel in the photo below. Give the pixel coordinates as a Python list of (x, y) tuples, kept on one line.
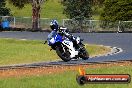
[(64, 55), (84, 54)]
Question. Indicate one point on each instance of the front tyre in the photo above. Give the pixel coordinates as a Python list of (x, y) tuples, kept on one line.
[(65, 56), (84, 54)]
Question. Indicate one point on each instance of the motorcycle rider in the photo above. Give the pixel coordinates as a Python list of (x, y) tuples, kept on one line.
[(54, 25), (55, 28), (63, 32)]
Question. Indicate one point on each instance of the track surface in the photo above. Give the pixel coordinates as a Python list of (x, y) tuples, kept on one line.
[(121, 40)]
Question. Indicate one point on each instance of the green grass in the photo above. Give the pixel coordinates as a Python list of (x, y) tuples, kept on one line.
[(23, 51), (14, 51), (65, 80), (52, 9)]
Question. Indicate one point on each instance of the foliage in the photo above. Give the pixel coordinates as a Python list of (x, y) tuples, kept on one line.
[(19, 3), (4, 10), (117, 10), (98, 2), (78, 9)]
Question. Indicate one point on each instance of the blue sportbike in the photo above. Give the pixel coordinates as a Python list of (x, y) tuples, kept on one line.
[(67, 47)]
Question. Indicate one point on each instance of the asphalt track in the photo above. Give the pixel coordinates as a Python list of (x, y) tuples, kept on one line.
[(120, 40)]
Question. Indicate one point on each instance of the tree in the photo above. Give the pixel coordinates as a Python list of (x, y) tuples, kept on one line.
[(117, 10), (98, 2), (36, 8), (78, 9), (4, 10)]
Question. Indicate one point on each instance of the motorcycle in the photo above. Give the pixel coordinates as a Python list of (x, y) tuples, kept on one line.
[(66, 48)]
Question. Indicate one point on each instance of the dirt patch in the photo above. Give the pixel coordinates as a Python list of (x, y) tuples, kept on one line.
[(55, 69)]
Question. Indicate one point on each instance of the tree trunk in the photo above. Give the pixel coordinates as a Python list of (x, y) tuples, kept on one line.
[(35, 16)]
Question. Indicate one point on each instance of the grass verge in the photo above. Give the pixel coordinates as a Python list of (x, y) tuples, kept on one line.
[(14, 51), (67, 79)]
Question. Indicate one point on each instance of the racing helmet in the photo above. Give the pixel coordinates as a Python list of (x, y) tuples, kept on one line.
[(54, 25)]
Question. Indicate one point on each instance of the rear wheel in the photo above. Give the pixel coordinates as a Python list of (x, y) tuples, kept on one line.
[(64, 55)]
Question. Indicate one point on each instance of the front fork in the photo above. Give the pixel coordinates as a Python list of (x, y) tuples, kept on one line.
[(81, 48)]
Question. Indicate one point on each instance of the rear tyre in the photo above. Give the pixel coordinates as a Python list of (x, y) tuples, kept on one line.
[(65, 56)]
